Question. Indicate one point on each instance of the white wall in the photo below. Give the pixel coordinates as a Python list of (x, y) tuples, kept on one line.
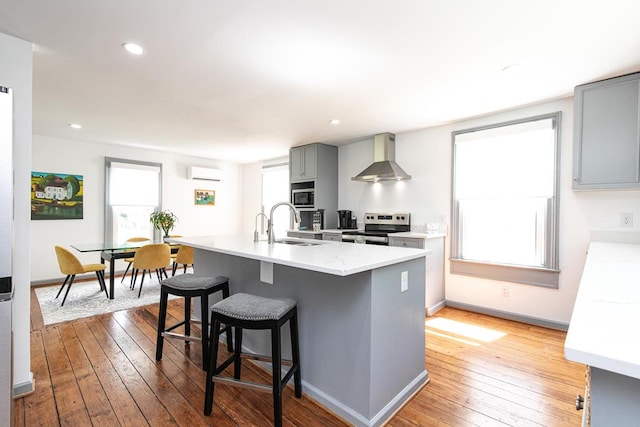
[(426, 155), (251, 196), (87, 159), (15, 72)]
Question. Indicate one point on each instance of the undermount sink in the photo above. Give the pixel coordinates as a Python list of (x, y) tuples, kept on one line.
[(297, 242)]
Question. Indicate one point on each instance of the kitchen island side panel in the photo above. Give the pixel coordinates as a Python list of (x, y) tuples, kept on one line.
[(397, 333), (338, 344)]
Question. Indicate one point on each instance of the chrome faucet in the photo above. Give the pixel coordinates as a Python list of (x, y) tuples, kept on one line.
[(255, 233), (270, 233)]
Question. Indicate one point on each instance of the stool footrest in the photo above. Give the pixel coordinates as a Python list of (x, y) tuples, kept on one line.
[(262, 358), (177, 325), (180, 336), (243, 384)]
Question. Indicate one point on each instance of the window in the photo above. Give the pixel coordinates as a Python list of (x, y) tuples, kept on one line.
[(133, 191), (275, 188), (505, 203)]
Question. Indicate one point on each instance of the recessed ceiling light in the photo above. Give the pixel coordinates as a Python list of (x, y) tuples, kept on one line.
[(334, 122), (134, 49), (75, 126)]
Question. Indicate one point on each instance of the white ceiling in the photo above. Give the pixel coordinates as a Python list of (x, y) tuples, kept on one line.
[(244, 80)]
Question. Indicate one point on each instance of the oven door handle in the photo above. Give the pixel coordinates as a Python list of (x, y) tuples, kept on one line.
[(349, 237), (376, 239)]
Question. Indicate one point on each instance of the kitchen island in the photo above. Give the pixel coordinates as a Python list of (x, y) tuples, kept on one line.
[(603, 333), (362, 342)]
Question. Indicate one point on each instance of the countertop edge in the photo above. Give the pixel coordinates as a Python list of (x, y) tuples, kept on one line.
[(413, 254)]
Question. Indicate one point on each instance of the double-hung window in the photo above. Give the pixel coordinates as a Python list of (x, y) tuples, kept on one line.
[(275, 188), (133, 191), (505, 201)]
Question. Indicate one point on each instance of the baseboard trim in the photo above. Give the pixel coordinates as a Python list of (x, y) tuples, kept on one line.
[(25, 388), (439, 306), (354, 418), (509, 316)]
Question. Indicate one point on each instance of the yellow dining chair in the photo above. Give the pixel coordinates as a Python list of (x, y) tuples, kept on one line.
[(154, 256), (71, 265), (130, 260), (184, 257)]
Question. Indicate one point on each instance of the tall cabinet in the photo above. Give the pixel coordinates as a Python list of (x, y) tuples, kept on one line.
[(316, 166), (607, 134)]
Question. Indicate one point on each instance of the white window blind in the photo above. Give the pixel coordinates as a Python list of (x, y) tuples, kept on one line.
[(505, 205), (133, 192)]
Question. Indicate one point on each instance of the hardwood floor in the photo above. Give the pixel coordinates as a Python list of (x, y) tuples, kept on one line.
[(102, 371)]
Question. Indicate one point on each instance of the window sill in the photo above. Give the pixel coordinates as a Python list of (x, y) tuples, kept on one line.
[(544, 277)]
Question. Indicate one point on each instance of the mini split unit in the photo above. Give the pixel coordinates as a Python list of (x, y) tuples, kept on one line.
[(206, 174)]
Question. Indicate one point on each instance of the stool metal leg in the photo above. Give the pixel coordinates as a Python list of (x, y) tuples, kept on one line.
[(237, 359), (213, 359), (162, 319), (204, 326), (295, 354), (225, 294), (276, 368), (187, 317)]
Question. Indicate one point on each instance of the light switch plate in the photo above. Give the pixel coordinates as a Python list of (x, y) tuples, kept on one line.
[(266, 272)]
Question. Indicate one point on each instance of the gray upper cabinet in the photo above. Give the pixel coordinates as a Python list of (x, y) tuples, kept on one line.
[(316, 166), (303, 163), (607, 135)]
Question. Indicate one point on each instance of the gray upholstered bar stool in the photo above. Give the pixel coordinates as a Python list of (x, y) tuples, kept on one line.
[(188, 286), (245, 311)]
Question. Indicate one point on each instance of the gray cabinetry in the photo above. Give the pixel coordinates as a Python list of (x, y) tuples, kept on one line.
[(303, 163), (434, 277), (304, 235), (315, 166), (606, 133), (332, 236)]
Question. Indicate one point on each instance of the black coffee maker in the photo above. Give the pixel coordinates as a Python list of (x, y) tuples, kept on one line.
[(346, 221)]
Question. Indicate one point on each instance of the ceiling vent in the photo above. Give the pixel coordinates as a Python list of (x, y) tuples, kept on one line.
[(205, 174), (384, 167)]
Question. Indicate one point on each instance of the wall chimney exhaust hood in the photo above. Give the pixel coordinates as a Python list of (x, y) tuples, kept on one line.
[(384, 167)]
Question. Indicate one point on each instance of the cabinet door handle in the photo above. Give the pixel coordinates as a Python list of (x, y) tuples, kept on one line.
[(579, 403)]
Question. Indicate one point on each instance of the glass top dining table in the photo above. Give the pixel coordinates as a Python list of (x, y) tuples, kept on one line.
[(110, 251), (99, 247)]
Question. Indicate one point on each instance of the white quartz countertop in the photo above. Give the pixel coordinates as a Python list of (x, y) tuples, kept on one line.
[(341, 259), (604, 325)]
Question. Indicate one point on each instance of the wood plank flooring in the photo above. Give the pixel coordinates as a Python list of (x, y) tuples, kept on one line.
[(102, 371)]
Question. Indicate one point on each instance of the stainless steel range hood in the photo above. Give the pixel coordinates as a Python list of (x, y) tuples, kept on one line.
[(384, 166)]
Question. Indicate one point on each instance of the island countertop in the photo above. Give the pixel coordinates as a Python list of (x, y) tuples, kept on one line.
[(341, 259), (603, 328)]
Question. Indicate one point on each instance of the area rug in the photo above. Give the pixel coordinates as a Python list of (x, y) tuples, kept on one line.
[(85, 299)]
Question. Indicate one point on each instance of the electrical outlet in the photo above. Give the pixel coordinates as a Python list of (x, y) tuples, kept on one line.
[(504, 291), (626, 219), (404, 281)]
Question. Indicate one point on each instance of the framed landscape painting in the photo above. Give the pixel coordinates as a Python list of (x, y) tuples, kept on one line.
[(56, 196), (205, 197)]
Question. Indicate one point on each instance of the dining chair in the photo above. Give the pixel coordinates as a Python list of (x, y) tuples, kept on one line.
[(184, 257), (71, 265), (154, 256), (130, 259)]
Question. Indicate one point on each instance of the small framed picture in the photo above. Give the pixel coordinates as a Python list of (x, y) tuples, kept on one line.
[(205, 197)]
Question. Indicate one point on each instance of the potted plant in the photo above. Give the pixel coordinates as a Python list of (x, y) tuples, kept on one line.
[(163, 220)]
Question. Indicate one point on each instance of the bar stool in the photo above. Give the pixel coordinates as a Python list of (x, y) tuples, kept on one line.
[(187, 286), (245, 311)]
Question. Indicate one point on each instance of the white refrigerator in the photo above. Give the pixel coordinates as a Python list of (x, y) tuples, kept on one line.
[(6, 249)]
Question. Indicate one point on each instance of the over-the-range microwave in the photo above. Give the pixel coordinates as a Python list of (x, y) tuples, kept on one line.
[(303, 198)]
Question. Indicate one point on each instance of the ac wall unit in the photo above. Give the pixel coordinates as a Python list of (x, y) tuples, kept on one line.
[(206, 174)]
